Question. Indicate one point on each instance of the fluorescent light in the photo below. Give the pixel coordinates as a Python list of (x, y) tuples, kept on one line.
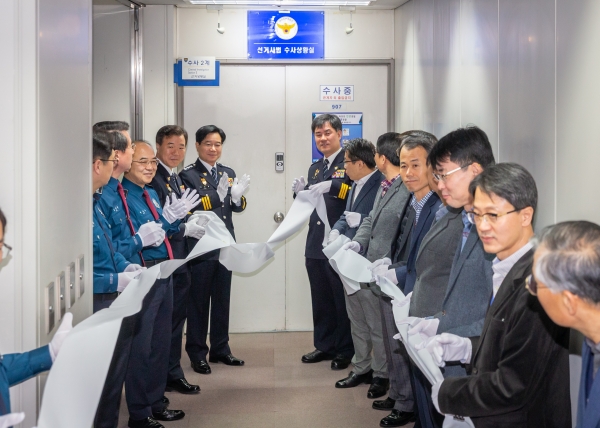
[(283, 2)]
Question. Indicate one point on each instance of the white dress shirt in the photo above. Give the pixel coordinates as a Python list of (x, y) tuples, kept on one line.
[(502, 267), (332, 157), (359, 184)]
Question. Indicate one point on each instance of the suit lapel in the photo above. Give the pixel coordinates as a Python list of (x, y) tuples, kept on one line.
[(443, 224), (426, 212), (395, 187), (205, 173), (513, 279), (332, 166), (365, 189), (460, 259)]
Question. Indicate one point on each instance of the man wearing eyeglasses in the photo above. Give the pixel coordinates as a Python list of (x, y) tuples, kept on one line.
[(210, 293), (520, 362), (453, 281)]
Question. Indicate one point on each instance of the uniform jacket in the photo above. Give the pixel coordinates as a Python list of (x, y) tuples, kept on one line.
[(588, 410), (17, 368), (406, 273), (107, 263), (520, 364), (196, 176), (164, 185), (140, 213), (363, 204), (335, 201), (378, 230), (469, 290), (112, 206)]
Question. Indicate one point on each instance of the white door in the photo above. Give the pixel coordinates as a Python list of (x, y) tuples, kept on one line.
[(265, 109)]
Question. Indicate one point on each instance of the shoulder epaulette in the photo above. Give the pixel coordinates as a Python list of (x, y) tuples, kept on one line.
[(224, 166), (318, 160), (190, 166)]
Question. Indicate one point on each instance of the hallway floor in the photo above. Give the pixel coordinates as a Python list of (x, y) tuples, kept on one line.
[(273, 389)]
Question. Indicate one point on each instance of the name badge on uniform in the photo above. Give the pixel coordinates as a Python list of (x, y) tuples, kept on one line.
[(340, 173), (156, 204)]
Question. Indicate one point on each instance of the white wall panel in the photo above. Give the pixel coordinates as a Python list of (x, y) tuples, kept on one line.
[(112, 63), (373, 36), (526, 100), (479, 69), (404, 58), (423, 65), (578, 110)]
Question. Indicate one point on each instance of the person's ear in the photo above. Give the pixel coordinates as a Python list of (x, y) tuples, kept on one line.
[(571, 302), (526, 216), (96, 166), (476, 168)]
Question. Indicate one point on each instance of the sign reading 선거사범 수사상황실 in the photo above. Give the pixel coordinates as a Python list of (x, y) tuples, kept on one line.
[(289, 35)]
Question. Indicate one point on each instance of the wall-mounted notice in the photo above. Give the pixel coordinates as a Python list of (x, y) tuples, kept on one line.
[(286, 35), (198, 68), (352, 124), (336, 93)]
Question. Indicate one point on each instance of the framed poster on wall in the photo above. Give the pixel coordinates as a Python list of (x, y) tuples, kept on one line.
[(352, 124)]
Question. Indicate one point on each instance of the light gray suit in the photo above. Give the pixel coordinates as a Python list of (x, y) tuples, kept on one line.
[(376, 235)]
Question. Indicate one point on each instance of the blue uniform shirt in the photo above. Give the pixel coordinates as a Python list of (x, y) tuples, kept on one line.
[(113, 208), (140, 214), (17, 368), (107, 263)]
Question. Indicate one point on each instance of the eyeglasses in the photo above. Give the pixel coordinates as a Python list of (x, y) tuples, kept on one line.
[(209, 145), (442, 177), (153, 163), (491, 218), (532, 285), (350, 161), (6, 249)]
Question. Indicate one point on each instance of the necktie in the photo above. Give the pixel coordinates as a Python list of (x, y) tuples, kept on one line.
[(126, 208), (175, 181), (156, 217), (213, 173), (326, 163)]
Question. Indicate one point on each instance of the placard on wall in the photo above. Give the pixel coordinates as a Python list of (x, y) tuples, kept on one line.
[(289, 35), (352, 124)]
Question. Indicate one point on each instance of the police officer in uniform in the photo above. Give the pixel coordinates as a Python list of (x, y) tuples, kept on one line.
[(171, 144), (222, 193), (332, 338)]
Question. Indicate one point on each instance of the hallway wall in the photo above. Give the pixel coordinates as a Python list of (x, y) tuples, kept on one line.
[(525, 72)]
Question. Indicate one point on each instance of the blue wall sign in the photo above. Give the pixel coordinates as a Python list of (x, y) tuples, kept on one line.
[(352, 124), (286, 35)]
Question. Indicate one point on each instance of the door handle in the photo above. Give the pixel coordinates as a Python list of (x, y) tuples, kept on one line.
[(278, 217)]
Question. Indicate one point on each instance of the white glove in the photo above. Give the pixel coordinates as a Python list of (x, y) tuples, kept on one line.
[(176, 209), (384, 271), (385, 261), (239, 188), (11, 419), (298, 184), (333, 235), (447, 347), (199, 218), (322, 187), (353, 219), (125, 278), (64, 329), (426, 328), (435, 392), (223, 187), (352, 245), (133, 267), (194, 230), (151, 233)]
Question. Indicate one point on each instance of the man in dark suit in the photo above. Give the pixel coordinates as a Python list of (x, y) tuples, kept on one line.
[(223, 194), (520, 362), (332, 338), (566, 282), (359, 160), (171, 145), (415, 221)]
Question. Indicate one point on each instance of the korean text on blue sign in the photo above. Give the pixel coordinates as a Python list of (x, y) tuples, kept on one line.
[(286, 35)]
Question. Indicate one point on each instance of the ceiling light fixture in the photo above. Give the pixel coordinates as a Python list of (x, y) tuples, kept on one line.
[(284, 3)]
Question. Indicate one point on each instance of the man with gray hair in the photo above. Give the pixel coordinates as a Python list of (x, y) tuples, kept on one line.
[(520, 362), (566, 281)]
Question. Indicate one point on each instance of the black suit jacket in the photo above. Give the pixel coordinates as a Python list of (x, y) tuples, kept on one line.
[(195, 176), (520, 364), (335, 201), (162, 184)]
